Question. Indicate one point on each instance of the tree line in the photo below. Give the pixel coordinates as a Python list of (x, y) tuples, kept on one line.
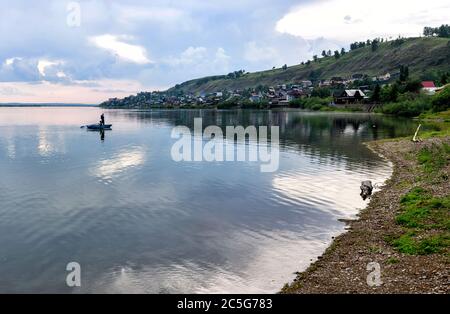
[(441, 31), (374, 44)]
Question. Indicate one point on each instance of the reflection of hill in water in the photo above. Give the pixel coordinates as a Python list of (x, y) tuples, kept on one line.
[(336, 135)]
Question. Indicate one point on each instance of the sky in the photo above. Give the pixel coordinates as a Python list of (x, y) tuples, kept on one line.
[(90, 50)]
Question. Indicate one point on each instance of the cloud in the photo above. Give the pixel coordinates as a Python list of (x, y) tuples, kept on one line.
[(19, 69), (61, 74), (45, 64), (127, 52), (256, 53), (201, 58), (221, 55), (188, 39), (169, 18), (336, 19), (189, 56), (10, 61)]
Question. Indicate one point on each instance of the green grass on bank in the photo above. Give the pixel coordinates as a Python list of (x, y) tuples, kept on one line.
[(439, 123), (425, 219), (426, 222), (434, 158)]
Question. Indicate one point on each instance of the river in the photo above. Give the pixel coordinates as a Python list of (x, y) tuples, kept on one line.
[(137, 221)]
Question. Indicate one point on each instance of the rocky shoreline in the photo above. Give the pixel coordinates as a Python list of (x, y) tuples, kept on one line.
[(347, 263)]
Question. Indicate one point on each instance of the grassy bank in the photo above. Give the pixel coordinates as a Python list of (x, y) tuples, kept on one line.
[(405, 228)]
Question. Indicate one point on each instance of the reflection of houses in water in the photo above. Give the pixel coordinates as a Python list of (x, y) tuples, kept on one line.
[(328, 133)]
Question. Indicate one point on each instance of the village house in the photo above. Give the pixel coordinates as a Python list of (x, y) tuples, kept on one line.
[(325, 83), (349, 96), (298, 93), (429, 87), (256, 97), (307, 84), (337, 80), (382, 78), (284, 98)]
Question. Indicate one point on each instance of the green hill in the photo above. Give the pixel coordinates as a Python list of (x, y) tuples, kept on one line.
[(426, 57)]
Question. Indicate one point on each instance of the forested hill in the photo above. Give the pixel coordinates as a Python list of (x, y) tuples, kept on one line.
[(426, 57)]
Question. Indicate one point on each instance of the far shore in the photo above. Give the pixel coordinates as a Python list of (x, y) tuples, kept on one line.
[(45, 105)]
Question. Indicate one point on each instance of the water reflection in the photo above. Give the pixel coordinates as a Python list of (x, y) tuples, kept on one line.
[(139, 222), (122, 161), (100, 132), (331, 134)]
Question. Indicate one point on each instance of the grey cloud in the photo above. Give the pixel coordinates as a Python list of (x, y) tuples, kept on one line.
[(36, 31)]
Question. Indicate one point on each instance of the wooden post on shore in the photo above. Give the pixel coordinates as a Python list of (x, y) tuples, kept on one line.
[(415, 138)]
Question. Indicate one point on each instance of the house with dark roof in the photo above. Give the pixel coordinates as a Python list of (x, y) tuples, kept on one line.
[(349, 96)]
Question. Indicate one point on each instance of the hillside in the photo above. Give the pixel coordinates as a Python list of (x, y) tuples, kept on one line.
[(426, 58)]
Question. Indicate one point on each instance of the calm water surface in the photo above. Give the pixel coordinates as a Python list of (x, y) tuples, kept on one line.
[(137, 221)]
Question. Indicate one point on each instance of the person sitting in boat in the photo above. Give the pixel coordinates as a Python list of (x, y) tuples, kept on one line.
[(102, 119)]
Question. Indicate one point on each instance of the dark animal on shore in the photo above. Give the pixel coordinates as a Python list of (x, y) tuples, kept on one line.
[(366, 189)]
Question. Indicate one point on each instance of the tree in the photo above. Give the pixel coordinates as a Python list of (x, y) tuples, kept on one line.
[(444, 31), (441, 101), (398, 42), (441, 31), (445, 78), (404, 73), (343, 52), (324, 53), (337, 55), (321, 92), (375, 45), (329, 53), (428, 31), (376, 96), (285, 67), (316, 58), (393, 93), (412, 86)]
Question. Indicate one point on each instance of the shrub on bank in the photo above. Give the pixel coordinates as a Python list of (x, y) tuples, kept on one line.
[(407, 107), (227, 105), (441, 101), (311, 103)]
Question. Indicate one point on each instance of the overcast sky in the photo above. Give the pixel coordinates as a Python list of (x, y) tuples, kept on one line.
[(89, 51)]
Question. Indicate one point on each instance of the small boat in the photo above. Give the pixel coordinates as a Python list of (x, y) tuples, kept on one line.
[(99, 127)]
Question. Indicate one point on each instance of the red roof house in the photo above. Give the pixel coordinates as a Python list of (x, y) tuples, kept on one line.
[(428, 84)]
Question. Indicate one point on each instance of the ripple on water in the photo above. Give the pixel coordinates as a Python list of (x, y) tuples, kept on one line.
[(139, 222)]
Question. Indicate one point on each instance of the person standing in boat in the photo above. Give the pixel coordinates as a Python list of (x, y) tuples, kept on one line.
[(102, 119)]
